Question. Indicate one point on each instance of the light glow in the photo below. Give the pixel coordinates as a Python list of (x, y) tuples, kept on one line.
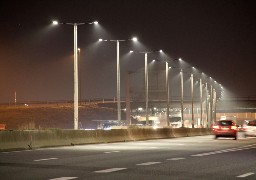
[(55, 22), (135, 39)]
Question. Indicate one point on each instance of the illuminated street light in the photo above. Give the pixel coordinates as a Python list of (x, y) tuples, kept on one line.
[(192, 100), (118, 76), (75, 68), (146, 79), (80, 77), (181, 100)]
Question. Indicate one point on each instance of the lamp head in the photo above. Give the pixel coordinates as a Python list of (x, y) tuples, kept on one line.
[(55, 22), (135, 39)]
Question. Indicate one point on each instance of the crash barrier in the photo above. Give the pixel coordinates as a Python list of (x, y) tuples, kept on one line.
[(10, 140)]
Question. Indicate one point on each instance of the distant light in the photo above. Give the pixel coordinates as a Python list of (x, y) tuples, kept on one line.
[(170, 67), (131, 51), (180, 59), (135, 39), (55, 22), (100, 40), (78, 49), (161, 50), (193, 67), (140, 109), (154, 60), (95, 22)]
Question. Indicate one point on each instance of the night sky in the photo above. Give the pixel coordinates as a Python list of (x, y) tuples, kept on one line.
[(36, 59)]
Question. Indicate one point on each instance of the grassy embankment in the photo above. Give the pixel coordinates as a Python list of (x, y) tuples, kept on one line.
[(52, 116)]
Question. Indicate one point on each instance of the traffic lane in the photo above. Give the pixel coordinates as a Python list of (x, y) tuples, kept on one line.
[(177, 145), (126, 159), (226, 164)]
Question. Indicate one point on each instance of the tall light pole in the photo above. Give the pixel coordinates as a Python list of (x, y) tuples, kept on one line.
[(168, 93), (201, 103), (211, 103), (75, 69), (206, 104), (79, 77), (192, 100), (146, 80), (181, 98), (118, 77)]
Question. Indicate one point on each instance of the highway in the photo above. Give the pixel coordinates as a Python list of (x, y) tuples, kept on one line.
[(200, 157)]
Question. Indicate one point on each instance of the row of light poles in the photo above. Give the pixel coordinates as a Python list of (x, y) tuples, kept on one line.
[(209, 107), (77, 51)]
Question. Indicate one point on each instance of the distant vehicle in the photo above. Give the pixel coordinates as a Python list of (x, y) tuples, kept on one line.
[(225, 128), (249, 128)]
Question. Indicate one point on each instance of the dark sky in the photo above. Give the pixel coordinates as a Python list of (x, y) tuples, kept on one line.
[(36, 60)]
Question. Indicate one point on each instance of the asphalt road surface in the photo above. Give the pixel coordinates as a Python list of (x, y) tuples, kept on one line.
[(199, 157)]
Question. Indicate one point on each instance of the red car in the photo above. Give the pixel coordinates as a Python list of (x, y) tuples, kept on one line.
[(225, 128)]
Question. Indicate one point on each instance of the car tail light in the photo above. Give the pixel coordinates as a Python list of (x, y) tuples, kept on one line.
[(215, 127), (234, 127)]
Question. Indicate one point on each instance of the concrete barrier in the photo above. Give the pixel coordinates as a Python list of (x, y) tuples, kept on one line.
[(11, 140)]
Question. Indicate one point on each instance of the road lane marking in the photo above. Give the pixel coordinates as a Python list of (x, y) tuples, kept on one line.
[(147, 163), (109, 170), (175, 159), (226, 150), (108, 152), (64, 178), (246, 175), (45, 159)]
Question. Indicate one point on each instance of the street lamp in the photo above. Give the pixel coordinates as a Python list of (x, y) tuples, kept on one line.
[(201, 103), (80, 77), (146, 79), (75, 68), (167, 85), (167, 91), (118, 76), (181, 94), (192, 100)]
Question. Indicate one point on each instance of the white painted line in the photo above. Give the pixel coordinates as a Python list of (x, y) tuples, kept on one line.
[(245, 175), (45, 159), (116, 151), (107, 152), (64, 178), (109, 170), (5, 152), (175, 159), (147, 163), (197, 155), (153, 147)]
